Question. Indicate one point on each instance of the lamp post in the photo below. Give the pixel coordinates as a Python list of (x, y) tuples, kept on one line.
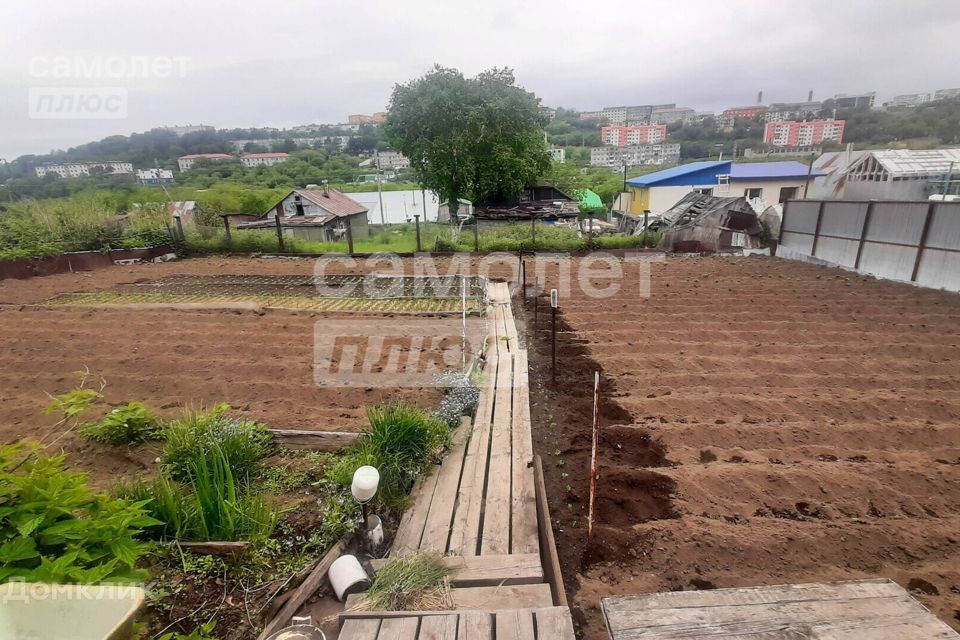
[(366, 479)]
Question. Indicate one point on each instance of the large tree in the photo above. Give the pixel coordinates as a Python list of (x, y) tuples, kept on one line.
[(477, 138)]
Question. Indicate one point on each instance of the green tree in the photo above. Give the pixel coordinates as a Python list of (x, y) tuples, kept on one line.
[(479, 138)]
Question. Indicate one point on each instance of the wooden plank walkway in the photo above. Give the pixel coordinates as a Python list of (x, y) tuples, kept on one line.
[(861, 609), (544, 623), (479, 509)]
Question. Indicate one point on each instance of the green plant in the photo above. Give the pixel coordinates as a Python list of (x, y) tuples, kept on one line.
[(128, 424), (203, 632), (243, 443), (414, 582), (224, 511), (73, 402), (402, 440), (54, 528)]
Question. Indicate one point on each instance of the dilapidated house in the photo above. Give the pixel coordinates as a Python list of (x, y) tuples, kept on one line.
[(704, 223), (321, 215)]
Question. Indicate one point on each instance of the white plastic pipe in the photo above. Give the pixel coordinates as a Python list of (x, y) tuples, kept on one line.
[(346, 573)]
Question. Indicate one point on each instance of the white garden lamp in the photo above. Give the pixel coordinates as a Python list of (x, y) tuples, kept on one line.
[(364, 487)]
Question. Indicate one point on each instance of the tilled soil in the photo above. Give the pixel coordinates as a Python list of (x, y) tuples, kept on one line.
[(260, 362), (764, 422)]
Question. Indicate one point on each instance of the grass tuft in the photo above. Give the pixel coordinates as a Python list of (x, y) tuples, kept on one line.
[(194, 437), (415, 582)]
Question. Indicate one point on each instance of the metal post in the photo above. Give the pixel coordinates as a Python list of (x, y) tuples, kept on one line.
[(863, 233), (226, 228), (536, 302), (590, 232), (276, 220), (463, 345), (816, 230), (554, 303), (416, 222), (593, 453), (349, 237), (646, 226), (806, 185), (931, 208), (946, 180), (523, 279), (533, 232), (476, 234), (383, 218)]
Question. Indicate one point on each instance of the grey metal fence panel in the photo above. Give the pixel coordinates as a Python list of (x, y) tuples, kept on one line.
[(898, 222), (915, 241)]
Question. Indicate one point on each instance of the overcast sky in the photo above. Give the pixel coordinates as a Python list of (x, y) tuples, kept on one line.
[(291, 62)]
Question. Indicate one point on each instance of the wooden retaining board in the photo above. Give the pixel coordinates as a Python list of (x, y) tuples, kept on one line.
[(545, 623), (860, 609)]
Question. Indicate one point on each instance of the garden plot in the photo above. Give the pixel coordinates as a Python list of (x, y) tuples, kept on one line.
[(762, 422), (332, 293)]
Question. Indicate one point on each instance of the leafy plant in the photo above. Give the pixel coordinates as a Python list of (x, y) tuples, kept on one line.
[(73, 402), (243, 443), (413, 582), (128, 424), (402, 440), (54, 528), (203, 632)]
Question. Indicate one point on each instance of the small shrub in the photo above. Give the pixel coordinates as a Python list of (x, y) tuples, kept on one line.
[(414, 582), (129, 424), (244, 443), (224, 511), (460, 398), (54, 528), (402, 440), (73, 402)]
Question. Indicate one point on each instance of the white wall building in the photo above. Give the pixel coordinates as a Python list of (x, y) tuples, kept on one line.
[(393, 160), (908, 100), (263, 159), (154, 176), (80, 169), (557, 154), (635, 155), (186, 162)]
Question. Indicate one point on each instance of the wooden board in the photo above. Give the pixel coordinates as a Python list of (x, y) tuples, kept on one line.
[(551, 561), (360, 629), (475, 625), (436, 531), (496, 514), (306, 589), (438, 627), (523, 512), (554, 622), (314, 440), (398, 629), (521, 596), (465, 529), (515, 625), (862, 609), (478, 571), (410, 529)]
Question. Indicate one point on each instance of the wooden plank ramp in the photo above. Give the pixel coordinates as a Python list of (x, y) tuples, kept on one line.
[(479, 509), (861, 609)]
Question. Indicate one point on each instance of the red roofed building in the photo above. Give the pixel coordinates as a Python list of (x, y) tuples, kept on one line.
[(320, 215), (186, 162), (263, 159)]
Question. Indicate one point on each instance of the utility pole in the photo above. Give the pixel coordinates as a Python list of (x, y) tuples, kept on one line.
[(624, 176), (383, 219), (806, 185)]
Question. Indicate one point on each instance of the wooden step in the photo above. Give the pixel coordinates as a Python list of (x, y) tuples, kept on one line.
[(480, 571), (517, 596), (548, 623)]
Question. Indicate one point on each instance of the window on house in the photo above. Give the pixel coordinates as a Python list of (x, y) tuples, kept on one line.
[(707, 191), (752, 194), (787, 193)]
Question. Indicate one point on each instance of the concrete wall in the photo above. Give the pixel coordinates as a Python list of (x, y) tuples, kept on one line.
[(908, 241)]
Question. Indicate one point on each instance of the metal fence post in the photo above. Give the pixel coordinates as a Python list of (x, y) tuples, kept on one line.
[(923, 240), (816, 231), (863, 234)]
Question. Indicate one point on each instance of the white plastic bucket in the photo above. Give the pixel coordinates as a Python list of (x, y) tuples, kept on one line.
[(346, 576), (374, 531)]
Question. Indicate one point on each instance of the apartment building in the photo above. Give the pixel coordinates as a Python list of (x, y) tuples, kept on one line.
[(635, 155), (154, 176), (623, 135), (790, 133), (362, 118), (779, 111), (855, 100), (627, 115), (907, 100), (186, 162), (393, 160), (263, 159), (745, 113), (81, 169), (946, 94)]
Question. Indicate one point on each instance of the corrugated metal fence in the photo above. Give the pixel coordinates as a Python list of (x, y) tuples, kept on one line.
[(908, 241)]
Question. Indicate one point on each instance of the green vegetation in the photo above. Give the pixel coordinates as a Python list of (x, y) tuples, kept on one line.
[(479, 138), (191, 439), (402, 441), (129, 424), (203, 632), (413, 582), (54, 528)]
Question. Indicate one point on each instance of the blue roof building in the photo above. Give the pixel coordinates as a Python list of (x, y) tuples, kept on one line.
[(765, 182)]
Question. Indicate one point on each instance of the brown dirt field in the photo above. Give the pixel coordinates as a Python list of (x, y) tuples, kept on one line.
[(260, 362), (764, 422)]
